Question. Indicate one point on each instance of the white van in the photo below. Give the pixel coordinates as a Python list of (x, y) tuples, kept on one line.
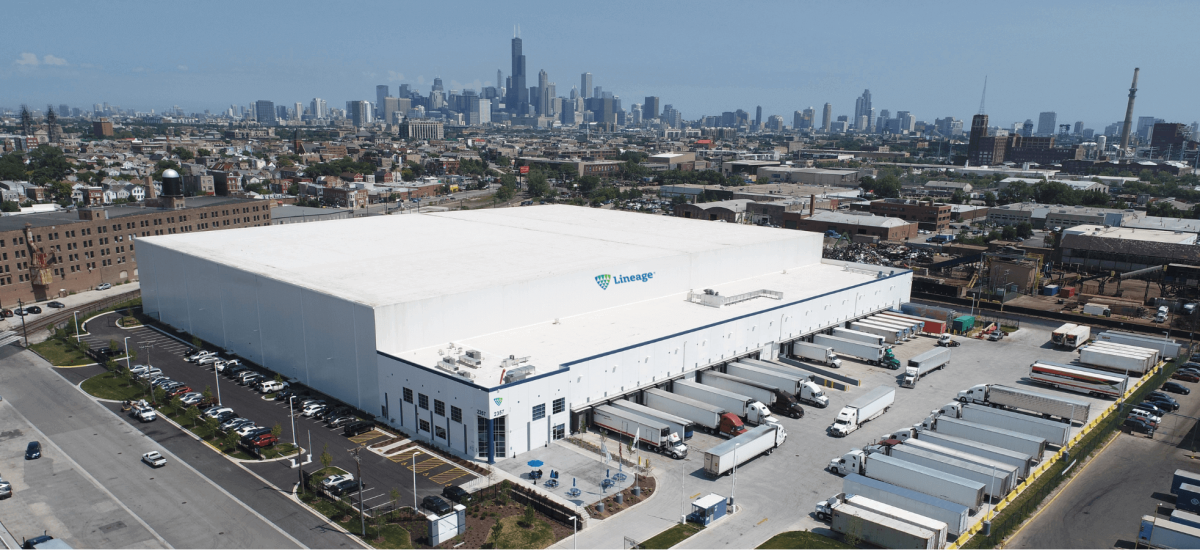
[(268, 386)]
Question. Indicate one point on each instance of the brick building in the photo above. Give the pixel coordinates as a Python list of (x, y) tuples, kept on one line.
[(56, 253), (887, 229), (933, 217)]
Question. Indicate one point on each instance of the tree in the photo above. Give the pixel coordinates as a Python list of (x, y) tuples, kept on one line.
[(528, 517), (394, 497), (537, 185), (12, 166), (886, 187), (326, 458), (1024, 230), (989, 198), (588, 185), (1009, 233), (277, 430), (203, 152), (10, 206), (48, 164), (183, 154), (230, 439), (497, 529), (505, 193), (164, 165)]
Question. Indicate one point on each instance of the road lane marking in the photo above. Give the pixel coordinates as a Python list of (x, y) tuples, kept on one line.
[(764, 520)]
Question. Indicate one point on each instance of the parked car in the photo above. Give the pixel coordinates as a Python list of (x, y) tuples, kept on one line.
[(333, 412), (331, 481), (213, 412), (1151, 418), (313, 409), (284, 394), (235, 370), (198, 355), (1185, 376), (1139, 425), (357, 428), (55, 305), (208, 360), (20, 312), (154, 459), (178, 391), (454, 493), (1163, 396), (6, 312), (264, 440), (150, 372), (234, 423), (33, 309), (104, 286), (1150, 408), (344, 487), (245, 429), (342, 421), (5, 489), (33, 451), (191, 398), (138, 369), (1161, 403), (1174, 387), (260, 430), (436, 505), (225, 416)]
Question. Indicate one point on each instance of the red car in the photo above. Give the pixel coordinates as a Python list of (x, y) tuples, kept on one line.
[(1186, 377), (179, 391), (264, 440)]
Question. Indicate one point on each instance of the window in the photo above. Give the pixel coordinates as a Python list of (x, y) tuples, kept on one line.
[(455, 414), (439, 432), (481, 427), (423, 401), (439, 408), (560, 431), (424, 425), (560, 404), (407, 395), (539, 411)]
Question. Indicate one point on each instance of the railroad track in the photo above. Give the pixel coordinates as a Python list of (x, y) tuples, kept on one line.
[(67, 314)]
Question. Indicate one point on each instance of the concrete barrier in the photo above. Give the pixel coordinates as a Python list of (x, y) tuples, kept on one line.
[(820, 372)]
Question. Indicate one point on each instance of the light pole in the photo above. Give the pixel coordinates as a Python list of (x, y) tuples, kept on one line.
[(217, 384), (127, 366), (76, 315), (414, 469), (358, 471), (292, 419), (733, 491), (575, 528)]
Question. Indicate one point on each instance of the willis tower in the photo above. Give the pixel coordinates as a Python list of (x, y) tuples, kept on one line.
[(518, 93)]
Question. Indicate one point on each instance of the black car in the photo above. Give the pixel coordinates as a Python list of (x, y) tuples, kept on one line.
[(334, 412), (456, 494), (1139, 425), (33, 309), (1193, 370), (249, 437), (358, 428), (56, 305), (232, 372), (225, 416), (344, 487), (1151, 408), (33, 451), (1175, 387), (1161, 403), (436, 505), (342, 421), (19, 312), (284, 395), (1163, 396)]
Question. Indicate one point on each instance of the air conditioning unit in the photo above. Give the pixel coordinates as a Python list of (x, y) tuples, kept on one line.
[(448, 363), (519, 373)]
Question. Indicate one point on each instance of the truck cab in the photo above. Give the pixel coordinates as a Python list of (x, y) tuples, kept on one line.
[(812, 393), (974, 394), (787, 404), (758, 414), (849, 463), (846, 422), (144, 413), (674, 447), (824, 511), (889, 360), (947, 342), (910, 377), (731, 426)]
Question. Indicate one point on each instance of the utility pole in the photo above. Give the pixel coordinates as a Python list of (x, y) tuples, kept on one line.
[(24, 314), (358, 472)]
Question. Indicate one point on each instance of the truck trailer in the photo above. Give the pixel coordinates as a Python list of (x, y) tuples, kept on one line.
[(1124, 360), (1163, 533), (1078, 379), (915, 327), (679, 425), (1000, 437), (1019, 398), (925, 363), (816, 353), (751, 410), (723, 458), (1012, 471), (909, 330), (931, 326), (996, 482), (879, 530), (650, 433), (1183, 476), (870, 353), (710, 418), (1186, 518), (1077, 336), (1059, 336), (777, 399), (1154, 355), (866, 337), (954, 515), (1021, 461), (825, 510), (1054, 432), (904, 333), (863, 409), (889, 335), (1187, 497), (1166, 348), (794, 383), (910, 476)]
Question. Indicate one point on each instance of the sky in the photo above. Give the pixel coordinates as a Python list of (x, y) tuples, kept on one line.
[(703, 57)]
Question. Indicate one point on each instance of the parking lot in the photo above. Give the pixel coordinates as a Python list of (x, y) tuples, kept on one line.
[(381, 472), (777, 493)]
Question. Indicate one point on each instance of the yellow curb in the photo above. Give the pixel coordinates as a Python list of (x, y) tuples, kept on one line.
[(77, 366)]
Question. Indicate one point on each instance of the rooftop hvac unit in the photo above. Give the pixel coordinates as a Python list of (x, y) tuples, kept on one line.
[(448, 363), (519, 373), (466, 374), (474, 354), (470, 360)]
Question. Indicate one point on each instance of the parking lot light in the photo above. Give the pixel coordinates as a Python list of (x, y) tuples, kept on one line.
[(76, 316), (414, 469), (126, 352), (217, 383), (292, 418)]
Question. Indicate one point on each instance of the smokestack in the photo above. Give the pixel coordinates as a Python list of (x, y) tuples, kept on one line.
[(812, 206), (1129, 113)]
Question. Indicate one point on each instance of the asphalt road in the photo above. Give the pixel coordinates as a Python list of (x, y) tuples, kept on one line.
[(177, 504), (381, 474), (1103, 505)]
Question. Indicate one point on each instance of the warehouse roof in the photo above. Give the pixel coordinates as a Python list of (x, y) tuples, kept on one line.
[(393, 259), (853, 219)]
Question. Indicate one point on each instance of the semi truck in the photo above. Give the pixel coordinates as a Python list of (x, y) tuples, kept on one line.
[(997, 395), (1054, 432), (1077, 336), (826, 509), (1000, 437), (1123, 359), (1011, 472), (1166, 347), (651, 433), (887, 334), (1187, 497), (710, 418), (859, 336), (952, 514), (910, 476), (996, 481), (1154, 355), (917, 324), (1158, 532), (1183, 476), (751, 410), (872, 354), (1059, 336), (679, 425), (800, 386), (816, 353), (777, 399), (726, 456), (925, 363), (1078, 379), (909, 330), (879, 530), (1022, 461), (863, 409)]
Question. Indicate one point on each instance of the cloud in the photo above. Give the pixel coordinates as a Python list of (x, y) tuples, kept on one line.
[(394, 76), (27, 59), (420, 80), (182, 67), (51, 60)]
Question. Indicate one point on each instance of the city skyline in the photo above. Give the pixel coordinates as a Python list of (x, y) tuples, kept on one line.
[(928, 81)]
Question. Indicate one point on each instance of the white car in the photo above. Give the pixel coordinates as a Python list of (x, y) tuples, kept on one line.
[(202, 355), (216, 411), (247, 428), (334, 480), (150, 373), (1147, 416), (104, 286), (191, 398), (207, 359), (154, 459), (313, 409), (138, 369)]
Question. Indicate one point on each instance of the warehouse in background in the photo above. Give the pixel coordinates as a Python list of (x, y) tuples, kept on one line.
[(494, 332)]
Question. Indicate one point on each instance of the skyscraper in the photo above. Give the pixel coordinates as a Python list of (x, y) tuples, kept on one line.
[(437, 85), (862, 107), (826, 117), (1046, 123), (264, 112), (544, 95), (298, 110), (499, 79), (360, 113), (758, 117), (318, 108), (585, 84), (381, 91), (518, 94), (1078, 127), (650, 107)]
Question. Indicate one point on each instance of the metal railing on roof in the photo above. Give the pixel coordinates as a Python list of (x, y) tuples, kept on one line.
[(711, 298)]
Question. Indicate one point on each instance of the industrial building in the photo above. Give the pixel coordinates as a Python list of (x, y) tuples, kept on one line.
[(493, 332), (1123, 249)]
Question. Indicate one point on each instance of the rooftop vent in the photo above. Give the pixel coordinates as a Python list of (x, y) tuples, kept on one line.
[(519, 373)]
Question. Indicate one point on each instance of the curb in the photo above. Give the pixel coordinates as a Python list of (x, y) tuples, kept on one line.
[(334, 526)]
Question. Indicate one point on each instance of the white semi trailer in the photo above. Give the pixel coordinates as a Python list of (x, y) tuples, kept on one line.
[(723, 458), (1054, 432), (796, 384), (863, 409), (851, 334), (1018, 398), (816, 353), (751, 410), (911, 476), (925, 363), (954, 515)]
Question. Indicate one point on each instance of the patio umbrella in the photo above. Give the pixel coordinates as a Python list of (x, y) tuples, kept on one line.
[(535, 463)]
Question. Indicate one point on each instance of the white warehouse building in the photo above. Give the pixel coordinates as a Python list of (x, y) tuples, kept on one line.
[(492, 332)]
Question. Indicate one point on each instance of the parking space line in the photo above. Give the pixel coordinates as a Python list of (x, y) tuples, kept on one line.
[(369, 436), (446, 477), (428, 464)]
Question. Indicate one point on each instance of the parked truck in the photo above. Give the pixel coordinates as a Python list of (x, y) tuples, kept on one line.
[(1078, 379), (872, 354), (816, 353), (1054, 432), (909, 330), (1000, 437), (1152, 353), (751, 410), (711, 418), (723, 458), (1183, 476), (1166, 347), (651, 433), (800, 386), (776, 398), (917, 324), (1017, 398), (910, 476), (1011, 472), (826, 509), (1158, 532), (1059, 336), (925, 363), (863, 409), (1187, 497), (1186, 518), (952, 514), (879, 530), (996, 481), (866, 337), (1124, 359), (1077, 336), (679, 425), (929, 325), (1021, 461), (887, 334)]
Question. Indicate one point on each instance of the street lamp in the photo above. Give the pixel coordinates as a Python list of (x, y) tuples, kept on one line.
[(733, 491), (76, 315), (575, 528), (414, 469), (292, 419), (126, 351)]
